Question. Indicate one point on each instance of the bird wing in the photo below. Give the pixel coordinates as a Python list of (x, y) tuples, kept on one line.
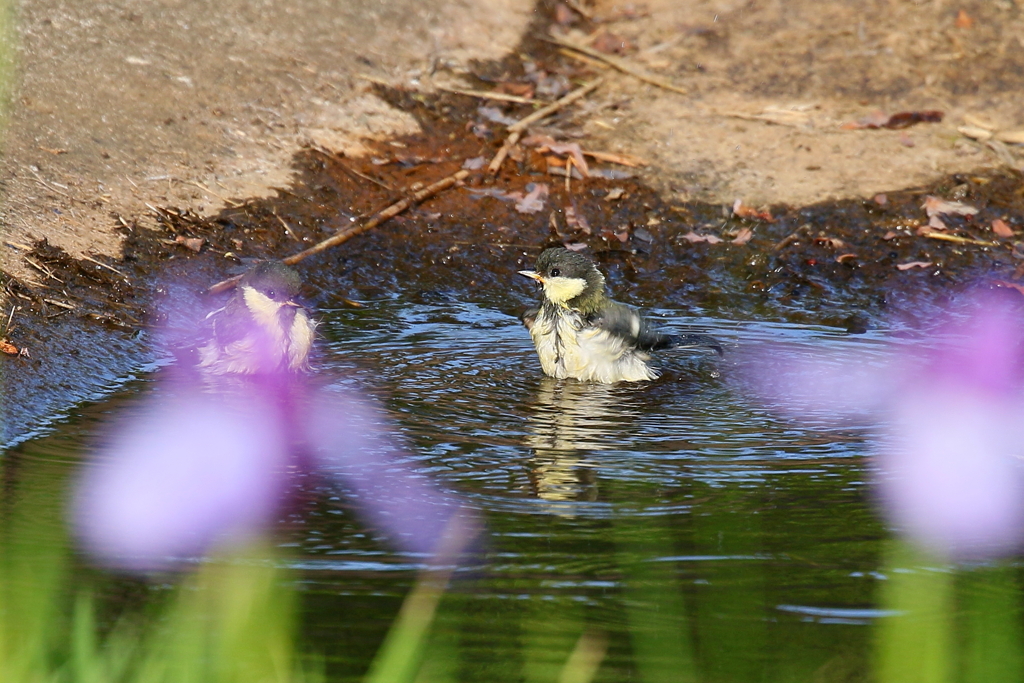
[(632, 327), (626, 323)]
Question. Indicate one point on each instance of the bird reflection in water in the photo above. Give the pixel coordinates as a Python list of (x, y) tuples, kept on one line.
[(570, 421)]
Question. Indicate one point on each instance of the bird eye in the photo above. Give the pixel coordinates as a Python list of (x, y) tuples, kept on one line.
[(555, 272), (271, 293)]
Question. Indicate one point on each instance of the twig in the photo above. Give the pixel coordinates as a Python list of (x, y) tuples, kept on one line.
[(489, 95), (59, 304), (959, 240), (515, 131), (348, 233), (287, 228), (335, 158), (104, 265), (621, 159), (43, 269), (51, 188), (230, 203), (620, 64)]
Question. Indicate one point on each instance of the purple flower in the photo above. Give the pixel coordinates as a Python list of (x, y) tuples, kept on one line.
[(950, 455), (183, 473)]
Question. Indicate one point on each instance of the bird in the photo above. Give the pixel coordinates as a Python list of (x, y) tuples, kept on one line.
[(580, 333), (262, 328)]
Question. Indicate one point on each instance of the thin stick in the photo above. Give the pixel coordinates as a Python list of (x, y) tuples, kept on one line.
[(515, 131), (620, 64), (104, 265), (230, 203), (489, 95), (348, 233), (59, 304), (959, 240), (287, 228)]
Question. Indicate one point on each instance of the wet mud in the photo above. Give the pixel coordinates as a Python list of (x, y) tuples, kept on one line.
[(87, 325)]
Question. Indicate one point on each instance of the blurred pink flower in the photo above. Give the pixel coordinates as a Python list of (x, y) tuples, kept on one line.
[(183, 473), (950, 451), (193, 470)]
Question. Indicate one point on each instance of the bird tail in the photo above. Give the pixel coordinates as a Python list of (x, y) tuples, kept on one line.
[(691, 341)]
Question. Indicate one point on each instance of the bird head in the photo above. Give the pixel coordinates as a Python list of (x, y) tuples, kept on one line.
[(269, 291), (569, 279)]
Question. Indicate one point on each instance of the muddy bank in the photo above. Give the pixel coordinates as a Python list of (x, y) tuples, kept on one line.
[(853, 264)]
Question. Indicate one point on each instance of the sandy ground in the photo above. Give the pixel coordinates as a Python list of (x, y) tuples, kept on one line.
[(121, 104)]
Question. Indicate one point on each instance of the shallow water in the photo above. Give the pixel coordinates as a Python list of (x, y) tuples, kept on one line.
[(707, 537)]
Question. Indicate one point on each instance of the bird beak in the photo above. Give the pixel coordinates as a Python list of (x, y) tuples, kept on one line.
[(293, 304), (532, 274)]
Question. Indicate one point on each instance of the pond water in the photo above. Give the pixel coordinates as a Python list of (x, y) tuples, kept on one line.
[(691, 533)]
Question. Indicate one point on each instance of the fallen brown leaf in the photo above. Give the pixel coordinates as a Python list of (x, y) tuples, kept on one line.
[(1001, 229), (694, 238), (903, 119), (913, 264), (741, 210), (880, 199), (537, 194), (576, 220), (193, 243), (934, 206), (743, 236), (843, 258), (830, 242), (8, 348), (963, 20), (1009, 285), (612, 44)]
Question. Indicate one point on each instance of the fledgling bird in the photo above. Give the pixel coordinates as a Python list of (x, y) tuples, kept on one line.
[(580, 332), (262, 328)]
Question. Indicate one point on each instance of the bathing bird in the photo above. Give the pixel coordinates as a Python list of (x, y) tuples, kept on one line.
[(579, 332), (262, 328)]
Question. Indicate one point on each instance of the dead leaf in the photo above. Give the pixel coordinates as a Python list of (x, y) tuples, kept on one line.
[(8, 348), (545, 143), (743, 236), (890, 235), (193, 243), (830, 242), (914, 264), (694, 238), (1009, 285), (963, 20), (614, 193), (612, 44), (517, 89), (843, 258), (574, 246), (576, 220), (934, 206), (880, 199), (564, 15), (474, 164), (903, 119), (741, 210), (1001, 229), (536, 195)]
